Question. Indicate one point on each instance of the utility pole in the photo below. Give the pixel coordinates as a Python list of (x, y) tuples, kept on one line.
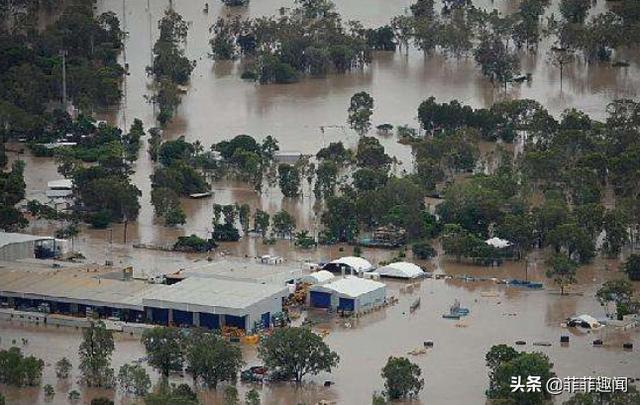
[(126, 64), (63, 53)]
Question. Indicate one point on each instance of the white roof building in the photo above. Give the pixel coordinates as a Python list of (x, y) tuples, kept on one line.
[(318, 277), (357, 264), (401, 270), (349, 293), (208, 302), (244, 270), (216, 295), (62, 184)]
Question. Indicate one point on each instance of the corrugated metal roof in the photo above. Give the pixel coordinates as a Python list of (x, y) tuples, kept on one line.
[(245, 271), (351, 286), (216, 292), (77, 288)]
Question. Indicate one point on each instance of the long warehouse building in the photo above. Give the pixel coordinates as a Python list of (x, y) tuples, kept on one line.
[(208, 302)]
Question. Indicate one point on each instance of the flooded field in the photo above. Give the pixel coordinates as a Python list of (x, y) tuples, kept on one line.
[(219, 105), (454, 369)]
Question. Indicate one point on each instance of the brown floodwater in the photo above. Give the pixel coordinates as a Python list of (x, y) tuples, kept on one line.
[(218, 105), (454, 369)]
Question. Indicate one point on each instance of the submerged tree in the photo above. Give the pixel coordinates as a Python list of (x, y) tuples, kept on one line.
[(133, 378), (212, 360), (261, 220), (289, 180), (167, 394), (309, 38), (283, 224), (164, 349), (402, 378), (360, 111), (63, 368), (170, 67), (632, 267), (563, 270), (95, 355), (297, 352), (621, 293), (506, 364), (498, 64)]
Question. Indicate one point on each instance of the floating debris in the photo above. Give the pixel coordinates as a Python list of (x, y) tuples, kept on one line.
[(546, 344), (415, 305)]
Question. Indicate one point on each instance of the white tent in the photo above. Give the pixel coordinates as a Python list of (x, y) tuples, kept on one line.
[(498, 243), (358, 264), (584, 321), (401, 270), (318, 277)]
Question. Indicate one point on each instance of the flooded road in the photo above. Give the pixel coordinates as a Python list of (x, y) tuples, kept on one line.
[(454, 369)]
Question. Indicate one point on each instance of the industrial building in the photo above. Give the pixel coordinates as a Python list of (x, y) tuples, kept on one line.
[(349, 293), (251, 271), (213, 302), (17, 246), (197, 301)]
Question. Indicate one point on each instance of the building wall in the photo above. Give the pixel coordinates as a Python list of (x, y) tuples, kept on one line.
[(371, 299), (271, 305), (17, 251), (362, 302)]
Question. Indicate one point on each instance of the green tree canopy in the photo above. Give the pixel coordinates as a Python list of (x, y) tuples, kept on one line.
[(95, 355), (297, 352), (212, 360), (164, 349), (402, 378)]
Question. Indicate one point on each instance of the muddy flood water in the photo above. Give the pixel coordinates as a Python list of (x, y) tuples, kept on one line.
[(219, 105), (454, 368)]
